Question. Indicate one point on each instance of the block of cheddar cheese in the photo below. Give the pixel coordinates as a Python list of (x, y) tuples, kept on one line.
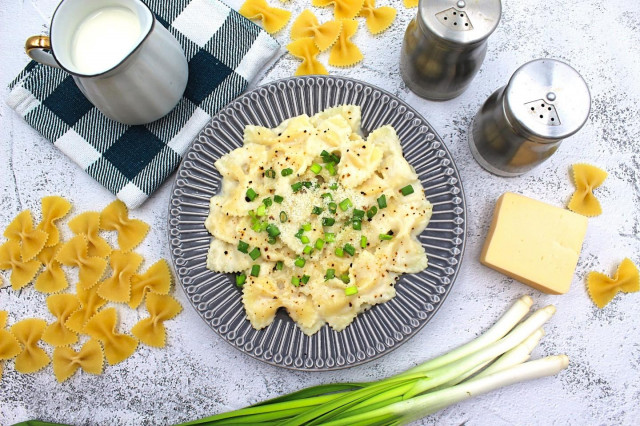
[(534, 242)]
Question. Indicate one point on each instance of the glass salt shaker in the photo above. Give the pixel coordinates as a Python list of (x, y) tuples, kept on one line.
[(445, 45), (523, 123)]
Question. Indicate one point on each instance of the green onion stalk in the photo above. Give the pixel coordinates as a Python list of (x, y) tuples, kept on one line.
[(498, 358)]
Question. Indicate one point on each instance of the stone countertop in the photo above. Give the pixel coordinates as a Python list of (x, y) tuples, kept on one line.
[(199, 374)]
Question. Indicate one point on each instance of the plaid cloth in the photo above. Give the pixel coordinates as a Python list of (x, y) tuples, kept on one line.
[(225, 53)]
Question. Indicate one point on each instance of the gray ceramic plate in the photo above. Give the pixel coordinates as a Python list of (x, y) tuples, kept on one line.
[(375, 332)]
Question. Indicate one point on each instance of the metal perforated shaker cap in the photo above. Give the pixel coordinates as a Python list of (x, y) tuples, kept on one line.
[(460, 21), (547, 99)]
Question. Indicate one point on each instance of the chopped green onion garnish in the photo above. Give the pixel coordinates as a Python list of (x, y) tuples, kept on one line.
[(319, 243), (316, 168), (283, 217), (278, 199), (357, 225), (270, 173), (241, 279), (306, 227), (307, 184), (357, 213), (339, 252), (363, 242), (286, 172), (299, 262), (295, 281), (327, 195), (243, 247), (305, 278), (316, 210), (255, 270), (261, 210), (299, 233), (330, 237), (271, 240), (385, 237), (407, 190), (345, 278), (256, 226), (273, 230), (263, 226), (251, 194), (328, 221), (333, 207), (349, 249), (252, 214), (350, 291), (304, 239), (267, 202), (372, 211), (345, 204), (324, 154), (296, 186), (333, 186), (382, 201), (331, 168), (279, 265), (331, 273), (307, 249), (255, 253)]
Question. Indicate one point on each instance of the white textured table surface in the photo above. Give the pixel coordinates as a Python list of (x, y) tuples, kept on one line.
[(199, 374)]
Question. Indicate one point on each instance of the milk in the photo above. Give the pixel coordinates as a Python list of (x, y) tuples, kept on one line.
[(104, 38)]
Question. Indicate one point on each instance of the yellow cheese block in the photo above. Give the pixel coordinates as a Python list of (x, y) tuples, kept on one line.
[(534, 242)]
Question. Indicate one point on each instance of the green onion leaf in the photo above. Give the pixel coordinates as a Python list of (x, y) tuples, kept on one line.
[(255, 253), (278, 199), (328, 221), (271, 240), (306, 226), (319, 243), (299, 262), (331, 168), (279, 265), (363, 242), (286, 172), (327, 195), (304, 239), (273, 230), (295, 281), (299, 233), (316, 168), (407, 190), (330, 237), (349, 249), (270, 173), (296, 186), (333, 207), (333, 186), (283, 216), (316, 210), (339, 252), (241, 279), (350, 291), (307, 249), (372, 211), (261, 210), (255, 270), (385, 237), (357, 225), (305, 279), (267, 202), (331, 273), (345, 278), (345, 204), (243, 247), (357, 213), (251, 194), (307, 184), (382, 201)]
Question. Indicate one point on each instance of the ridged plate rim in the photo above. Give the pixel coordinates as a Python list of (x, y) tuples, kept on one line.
[(433, 144)]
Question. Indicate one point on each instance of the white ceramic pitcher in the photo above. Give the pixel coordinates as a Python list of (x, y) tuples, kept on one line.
[(138, 89)]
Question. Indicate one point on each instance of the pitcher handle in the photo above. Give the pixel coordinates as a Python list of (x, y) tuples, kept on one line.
[(38, 47)]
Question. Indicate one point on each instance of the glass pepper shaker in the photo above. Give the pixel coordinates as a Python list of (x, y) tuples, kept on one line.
[(445, 45), (523, 123)]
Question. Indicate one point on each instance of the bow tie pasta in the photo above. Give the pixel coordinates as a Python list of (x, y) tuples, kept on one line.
[(317, 219)]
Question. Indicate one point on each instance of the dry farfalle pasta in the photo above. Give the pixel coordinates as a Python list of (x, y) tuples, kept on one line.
[(117, 347), (603, 289), (52, 279), (30, 240), (156, 279), (131, 232), (90, 302), (151, 330), (61, 306), (378, 18), (21, 272), (586, 178), (28, 333), (75, 252), (306, 49), (273, 19), (53, 208), (117, 287), (344, 53), (88, 224), (66, 361), (307, 25), (343, 9), (9, 345)]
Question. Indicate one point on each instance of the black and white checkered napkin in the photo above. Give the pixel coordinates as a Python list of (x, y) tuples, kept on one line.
[(225, 52)]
